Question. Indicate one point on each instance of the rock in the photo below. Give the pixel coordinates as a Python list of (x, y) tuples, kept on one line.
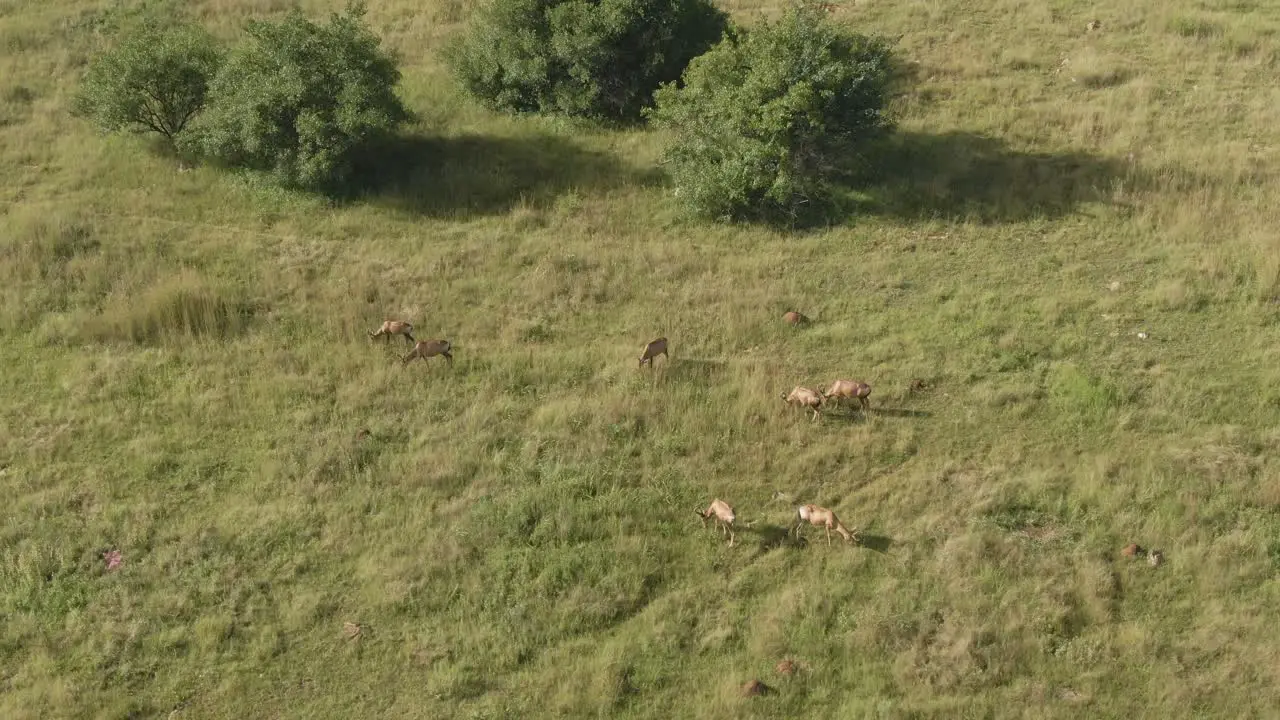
[(1155, 558)]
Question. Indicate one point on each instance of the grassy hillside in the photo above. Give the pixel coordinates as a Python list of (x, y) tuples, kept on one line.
[(185, 370)]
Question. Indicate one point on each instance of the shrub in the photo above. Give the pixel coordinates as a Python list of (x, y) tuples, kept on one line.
[(767, 121), (601, 59), (300, 100), (156, 79)]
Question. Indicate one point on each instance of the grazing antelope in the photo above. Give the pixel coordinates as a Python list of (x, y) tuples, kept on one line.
[(818, 515), (754, 687), (804, 397), (794, 318), (723, 514), (430, 348), (849, 389), (653, 350), (394, 327)]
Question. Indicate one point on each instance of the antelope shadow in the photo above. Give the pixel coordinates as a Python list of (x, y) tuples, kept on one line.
[(901, 412), (775, 536), (694, 369), (877, 543)]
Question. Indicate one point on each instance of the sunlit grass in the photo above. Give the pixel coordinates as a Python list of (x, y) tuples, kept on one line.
[(187, 378)]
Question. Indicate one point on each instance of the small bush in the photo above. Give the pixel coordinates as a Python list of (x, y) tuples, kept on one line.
[(601, 59), (156, 79), (299, 100), (767, 121)]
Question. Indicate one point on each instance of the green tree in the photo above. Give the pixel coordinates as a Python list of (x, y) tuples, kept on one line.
[(299, 100), (601, 59), (768, 120), (156, 79)]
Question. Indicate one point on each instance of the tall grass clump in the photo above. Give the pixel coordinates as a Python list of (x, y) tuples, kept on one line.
[(184, 305), (766, 122), (601, 60)]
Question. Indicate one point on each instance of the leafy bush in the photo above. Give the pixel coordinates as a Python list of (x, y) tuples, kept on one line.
[(592, 58), (156, 79), (300, 100), (767, 121)]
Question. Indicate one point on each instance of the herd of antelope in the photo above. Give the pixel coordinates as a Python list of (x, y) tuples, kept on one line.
[(719, 511)]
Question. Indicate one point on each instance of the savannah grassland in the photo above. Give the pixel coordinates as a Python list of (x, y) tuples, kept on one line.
[(184, 368)]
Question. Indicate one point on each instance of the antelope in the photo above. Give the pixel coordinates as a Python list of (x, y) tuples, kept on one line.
[(394, 327), (850, 389), (818, 515), (723, 514), (804, 397), (430, 348), (653, 350), (755, 687), (794, 318)]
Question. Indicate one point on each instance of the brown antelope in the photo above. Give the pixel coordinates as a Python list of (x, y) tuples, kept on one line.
[(723, 514), (394, 327), (851, 390), (653, 350), (804, 397), (818, 515), (794, 318), (430, 348)]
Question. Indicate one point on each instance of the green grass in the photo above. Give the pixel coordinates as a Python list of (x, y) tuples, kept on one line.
[(185, 369)]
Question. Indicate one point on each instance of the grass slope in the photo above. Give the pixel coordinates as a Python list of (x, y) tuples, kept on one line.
[(185, 370)]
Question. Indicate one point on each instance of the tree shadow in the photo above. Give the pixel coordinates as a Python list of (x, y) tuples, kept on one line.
[(471, 175), (960, 175)]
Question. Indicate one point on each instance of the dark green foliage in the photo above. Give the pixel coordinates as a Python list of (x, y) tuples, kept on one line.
[(300, 100), (592, 58), (154, 80), (767, 121)]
